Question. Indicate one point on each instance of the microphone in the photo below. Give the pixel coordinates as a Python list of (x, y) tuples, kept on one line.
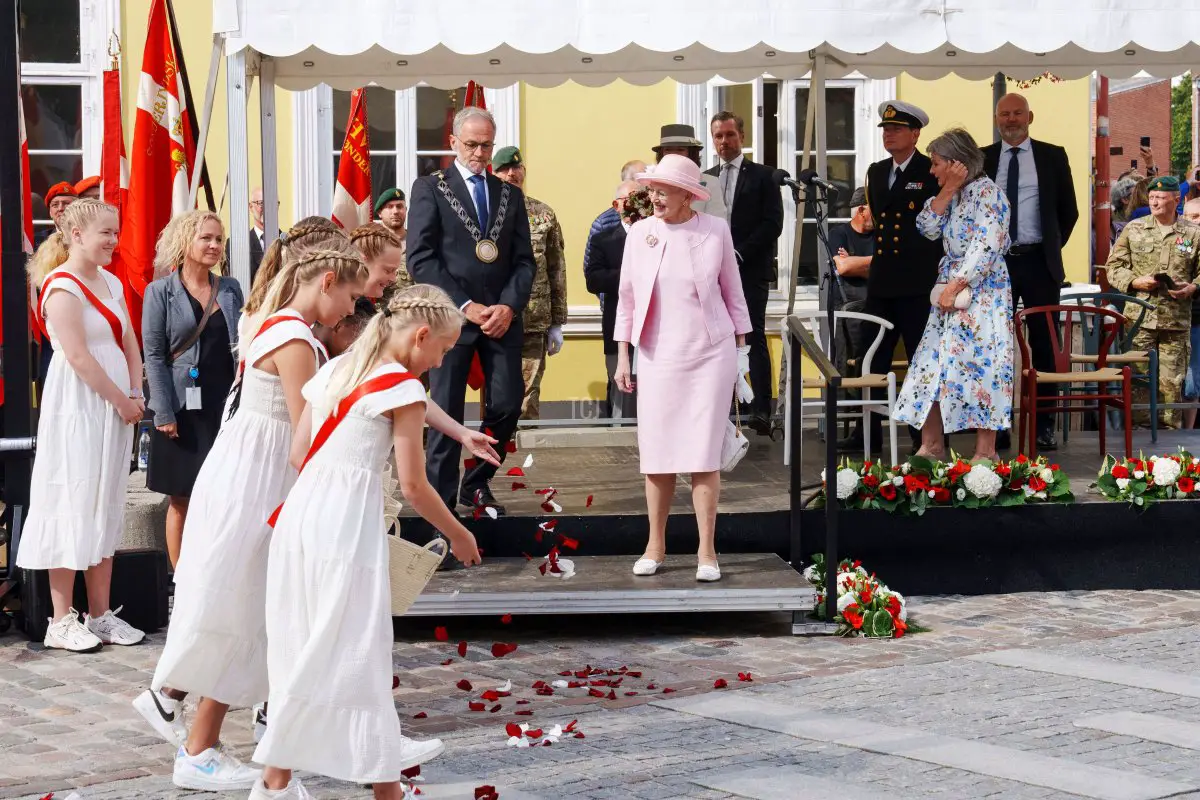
[(807, 178)]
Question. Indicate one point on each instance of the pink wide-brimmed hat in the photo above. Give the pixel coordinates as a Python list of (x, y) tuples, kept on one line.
[(675, 170)]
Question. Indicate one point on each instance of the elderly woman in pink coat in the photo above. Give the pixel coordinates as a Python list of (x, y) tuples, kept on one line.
[(681, 305)]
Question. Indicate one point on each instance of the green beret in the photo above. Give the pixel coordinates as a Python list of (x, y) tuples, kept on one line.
[(507, 157), (1164, 183), (387, 197)]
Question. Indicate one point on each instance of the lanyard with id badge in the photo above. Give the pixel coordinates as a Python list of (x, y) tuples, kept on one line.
[(191, 400), (192, 394)]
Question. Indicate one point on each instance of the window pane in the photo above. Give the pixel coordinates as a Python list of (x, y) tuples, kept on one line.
[(842, 174), (839, 123), (53, 116), (50, 31), (770, 153), (381, 117), (740, 100), (435, 118), (45, 171)]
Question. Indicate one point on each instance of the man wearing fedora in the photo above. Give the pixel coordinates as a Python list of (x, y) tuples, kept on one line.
[(905, 264), (754, 207), (680, 140)]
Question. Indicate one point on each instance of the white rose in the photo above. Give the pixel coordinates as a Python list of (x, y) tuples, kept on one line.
[(845, 600), (1122, 483), (1047, 475), (1195, 461), (961, 493), (1040, 495), (982, 482), (847, 483), (1028, 492), (1154, 458), (939, 473), (1137, 501), (810, 574), (930, 493), (1166, 471), (904, 468), (897, 481), (1139, 474)]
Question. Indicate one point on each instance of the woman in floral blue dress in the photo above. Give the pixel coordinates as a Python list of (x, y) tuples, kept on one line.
[(962, 375)]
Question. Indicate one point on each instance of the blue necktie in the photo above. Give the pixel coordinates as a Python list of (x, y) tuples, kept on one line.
[(1012, 189), (479, 191)]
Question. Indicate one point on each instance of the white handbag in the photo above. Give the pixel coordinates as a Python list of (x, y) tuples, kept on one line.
[(961, 300), (734, 443)]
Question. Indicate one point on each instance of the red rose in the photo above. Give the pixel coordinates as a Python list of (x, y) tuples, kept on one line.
[(1016, 484), (941, 494), (1003, 470), (915, 483), (1186, 485), (852, 616), (1022, 459), (1120, 471), (870, 481), (1054, 467), (1036, 483), (887, 491), (867, 465), (893, 606)]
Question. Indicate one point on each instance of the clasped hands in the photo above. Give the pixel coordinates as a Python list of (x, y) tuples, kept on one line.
[(953, 287), (492, 320), (1148, 283)]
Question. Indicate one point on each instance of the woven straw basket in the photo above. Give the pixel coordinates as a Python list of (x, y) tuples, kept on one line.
[(410, 568)]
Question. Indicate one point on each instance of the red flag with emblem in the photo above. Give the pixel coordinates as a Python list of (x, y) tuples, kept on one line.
[(162, 154), (352, 194)]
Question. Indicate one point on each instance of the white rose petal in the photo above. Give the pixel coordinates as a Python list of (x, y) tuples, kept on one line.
[(559, 684), (528, 461), (904, 468), (930, 493), (1122, 483), (897, 481), (961, 493), (1139, 474), (1047, 475), (1137, 501)]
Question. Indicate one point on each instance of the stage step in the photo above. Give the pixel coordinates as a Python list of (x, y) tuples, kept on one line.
[(582, 436), (607, 585)]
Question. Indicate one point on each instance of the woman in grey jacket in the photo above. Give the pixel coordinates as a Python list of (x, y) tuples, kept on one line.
[(189, 331)]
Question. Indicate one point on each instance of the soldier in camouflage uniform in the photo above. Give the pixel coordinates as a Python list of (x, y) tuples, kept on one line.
[(392, 210), (1160, 243), (546, 312)]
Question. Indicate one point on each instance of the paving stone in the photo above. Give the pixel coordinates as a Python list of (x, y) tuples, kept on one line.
[(787, 784), (1154, 727), (1094, 669)]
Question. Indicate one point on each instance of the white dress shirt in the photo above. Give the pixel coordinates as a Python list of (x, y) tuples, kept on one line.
[(728, 179), (1028, 202), (901, 166)]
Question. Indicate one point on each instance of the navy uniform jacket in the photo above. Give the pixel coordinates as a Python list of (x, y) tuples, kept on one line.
[(905, 263)]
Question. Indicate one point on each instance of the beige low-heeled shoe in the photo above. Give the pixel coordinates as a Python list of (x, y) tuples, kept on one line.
[(646, 566)]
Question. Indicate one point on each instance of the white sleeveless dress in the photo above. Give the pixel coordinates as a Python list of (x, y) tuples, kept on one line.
[(329, 619), (81, 468), (216, 643)]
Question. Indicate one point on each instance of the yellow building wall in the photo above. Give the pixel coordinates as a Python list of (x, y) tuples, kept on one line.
[(1061, 115), (195, 31)]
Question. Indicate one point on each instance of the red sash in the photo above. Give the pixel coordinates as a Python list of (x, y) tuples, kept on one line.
[(112, 319), (266, 326), (379, 384)]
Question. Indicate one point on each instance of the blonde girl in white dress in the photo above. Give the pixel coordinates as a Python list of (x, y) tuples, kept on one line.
[(329, 627), (92, 400), (216, 644)]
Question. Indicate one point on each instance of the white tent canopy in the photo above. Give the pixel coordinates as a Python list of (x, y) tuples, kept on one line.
[(399, 43)]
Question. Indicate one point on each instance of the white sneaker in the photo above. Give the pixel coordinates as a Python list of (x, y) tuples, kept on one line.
[(69, 633), (418, 751), (111, 629), (212, 771), (259, 717), (294, 791), (164, 715)]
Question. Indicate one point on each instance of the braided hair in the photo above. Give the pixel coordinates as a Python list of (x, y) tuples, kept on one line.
[(307, 234), (422, 304), (372, 239)]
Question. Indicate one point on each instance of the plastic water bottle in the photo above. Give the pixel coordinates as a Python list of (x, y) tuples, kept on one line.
[(144, 450)]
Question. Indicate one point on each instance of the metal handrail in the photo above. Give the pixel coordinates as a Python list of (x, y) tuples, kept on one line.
[(833, 384)]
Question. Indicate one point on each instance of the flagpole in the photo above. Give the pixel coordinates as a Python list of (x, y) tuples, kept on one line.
[(210, 93), (177, 44), (14, 291)]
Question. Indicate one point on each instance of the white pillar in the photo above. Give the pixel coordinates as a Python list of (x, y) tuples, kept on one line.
[(239, 168), (270, 165)]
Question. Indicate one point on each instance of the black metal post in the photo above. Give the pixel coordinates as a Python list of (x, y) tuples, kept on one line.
[(831, 499), (14, 287)]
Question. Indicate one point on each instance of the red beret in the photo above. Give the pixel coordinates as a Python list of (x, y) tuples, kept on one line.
[(63, 188), (87, 183)]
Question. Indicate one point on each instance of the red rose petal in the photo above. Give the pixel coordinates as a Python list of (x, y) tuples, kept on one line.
[(515, 472), (522, 702), (464, 684), (395, 682), (517, 486), (595, 693), (525, 712), (494, 708), (589, 502), (512, 729), (745, 677), (420, 715), (568, 542), (579, 736), (651, 686), (501, 649), (486, 793), (462, 649), (447, 662), (510, 446), (546, 742), (719, 683), (476, 706), (634, 674), (612, 694), (506, 619), (565, 672), (630, 694), (549, 509), (539, 684), (668, 690), (527, 556), (491, 695), (570, 726), (411, 772), (542, 568), (440, 634), (534, 733)]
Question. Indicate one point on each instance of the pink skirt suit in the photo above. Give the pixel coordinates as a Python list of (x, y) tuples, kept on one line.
[(680, 305)]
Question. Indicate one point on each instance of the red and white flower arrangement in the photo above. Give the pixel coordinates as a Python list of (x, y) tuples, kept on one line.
[(865, 605), (1139, 481), (921, 483)]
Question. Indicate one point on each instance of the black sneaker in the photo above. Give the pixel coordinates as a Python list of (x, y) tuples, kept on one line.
[(1046, 441), (482, 496)]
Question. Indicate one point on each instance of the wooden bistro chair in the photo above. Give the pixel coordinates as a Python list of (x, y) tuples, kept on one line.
[(885, 385), (1143, 362), (1077, 394)]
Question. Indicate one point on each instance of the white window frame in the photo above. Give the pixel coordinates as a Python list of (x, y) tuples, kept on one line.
[(97, 19), (314, 145)]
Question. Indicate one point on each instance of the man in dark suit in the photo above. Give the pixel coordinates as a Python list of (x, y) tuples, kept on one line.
[(904, 265), (257, 237), (602, 274), (468, 233), (754, 211), (1036, 177)]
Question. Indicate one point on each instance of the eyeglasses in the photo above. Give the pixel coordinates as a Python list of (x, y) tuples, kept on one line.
[(260, 203), (473, 146)]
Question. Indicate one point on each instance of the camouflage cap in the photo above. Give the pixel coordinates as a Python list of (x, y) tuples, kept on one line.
[(507, 157), (1163, 183)]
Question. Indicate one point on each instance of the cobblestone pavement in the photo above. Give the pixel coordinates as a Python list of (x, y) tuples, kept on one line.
[(66, 722)]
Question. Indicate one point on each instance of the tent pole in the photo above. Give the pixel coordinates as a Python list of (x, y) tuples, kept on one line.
[(270, 171), (237, 92), (1101, 202), (999, 89), (210, 93)]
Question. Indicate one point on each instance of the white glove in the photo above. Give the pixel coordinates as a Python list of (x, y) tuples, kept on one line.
[(556, 339), (744, 393)]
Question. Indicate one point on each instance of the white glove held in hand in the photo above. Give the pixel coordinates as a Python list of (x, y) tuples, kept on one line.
[(555, 335), (744, 393)]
